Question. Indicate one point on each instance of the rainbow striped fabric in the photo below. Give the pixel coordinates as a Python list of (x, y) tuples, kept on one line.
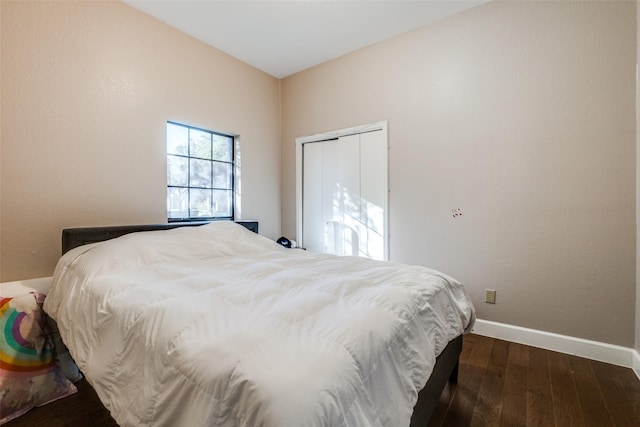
[(23, 352), (29, 375)]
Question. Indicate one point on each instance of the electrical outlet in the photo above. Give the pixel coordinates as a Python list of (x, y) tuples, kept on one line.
[(490, 296)]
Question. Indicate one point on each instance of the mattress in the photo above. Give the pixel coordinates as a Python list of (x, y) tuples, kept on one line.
[(216, 325)]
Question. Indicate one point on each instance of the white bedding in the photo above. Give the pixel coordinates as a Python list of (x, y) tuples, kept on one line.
[(218, 326)]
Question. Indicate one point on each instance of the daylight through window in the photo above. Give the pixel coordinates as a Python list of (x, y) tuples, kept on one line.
[(199, 174)]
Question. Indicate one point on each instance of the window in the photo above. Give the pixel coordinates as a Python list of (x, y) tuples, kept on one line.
[(199, 174)]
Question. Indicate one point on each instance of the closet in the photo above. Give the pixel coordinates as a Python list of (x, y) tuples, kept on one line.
[(342, 192)]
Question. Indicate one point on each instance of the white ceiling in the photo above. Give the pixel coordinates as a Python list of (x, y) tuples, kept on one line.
[(284, 37)]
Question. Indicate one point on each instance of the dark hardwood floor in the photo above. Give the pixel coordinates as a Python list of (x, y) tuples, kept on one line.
[(499, 384)]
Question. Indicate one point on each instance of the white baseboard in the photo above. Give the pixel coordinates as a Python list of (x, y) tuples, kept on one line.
[(20, 287), (603, 352)]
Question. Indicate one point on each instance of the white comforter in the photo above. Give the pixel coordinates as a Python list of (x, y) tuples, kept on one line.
[(217, 326)]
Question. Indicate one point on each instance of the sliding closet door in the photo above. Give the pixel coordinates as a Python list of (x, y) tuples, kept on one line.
[(313, 234), (373, 194), (341, 195), (344, 187)]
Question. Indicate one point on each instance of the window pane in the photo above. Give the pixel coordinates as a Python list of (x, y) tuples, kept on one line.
[(222, 202), (177, 139), (177, 170), (178, 202), (222, 148), (200, 173), (200, 144), (199, 161), (222, 175), (200, 203)]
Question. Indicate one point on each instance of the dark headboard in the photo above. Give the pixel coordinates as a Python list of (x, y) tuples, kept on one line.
[(73, 237)]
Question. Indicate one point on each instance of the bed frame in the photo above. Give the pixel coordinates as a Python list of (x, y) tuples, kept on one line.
[(445, 369), (73, 237)]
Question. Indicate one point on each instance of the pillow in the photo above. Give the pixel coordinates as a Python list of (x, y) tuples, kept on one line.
[(29, 374)]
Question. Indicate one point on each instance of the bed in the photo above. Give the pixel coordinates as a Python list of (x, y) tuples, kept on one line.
[(217, 325)]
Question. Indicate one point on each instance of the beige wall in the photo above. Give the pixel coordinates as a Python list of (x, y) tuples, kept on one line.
[(522, 115), (638, 183), (86, 90)]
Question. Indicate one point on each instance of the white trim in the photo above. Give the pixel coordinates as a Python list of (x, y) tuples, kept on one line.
[(636, 363), (299, 192), (325, 136), (20, 287), (603, 352)]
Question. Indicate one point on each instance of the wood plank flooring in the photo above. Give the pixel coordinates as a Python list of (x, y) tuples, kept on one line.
[(499, 384)]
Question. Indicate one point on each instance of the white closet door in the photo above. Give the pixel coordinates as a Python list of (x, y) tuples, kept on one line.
[(373, 194), (341, 201), (312, 231), (344, 195)]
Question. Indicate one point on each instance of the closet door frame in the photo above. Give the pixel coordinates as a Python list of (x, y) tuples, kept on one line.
[(325, 136)]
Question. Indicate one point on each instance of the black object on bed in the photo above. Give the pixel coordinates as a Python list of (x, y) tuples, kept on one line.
[(445, 369)]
